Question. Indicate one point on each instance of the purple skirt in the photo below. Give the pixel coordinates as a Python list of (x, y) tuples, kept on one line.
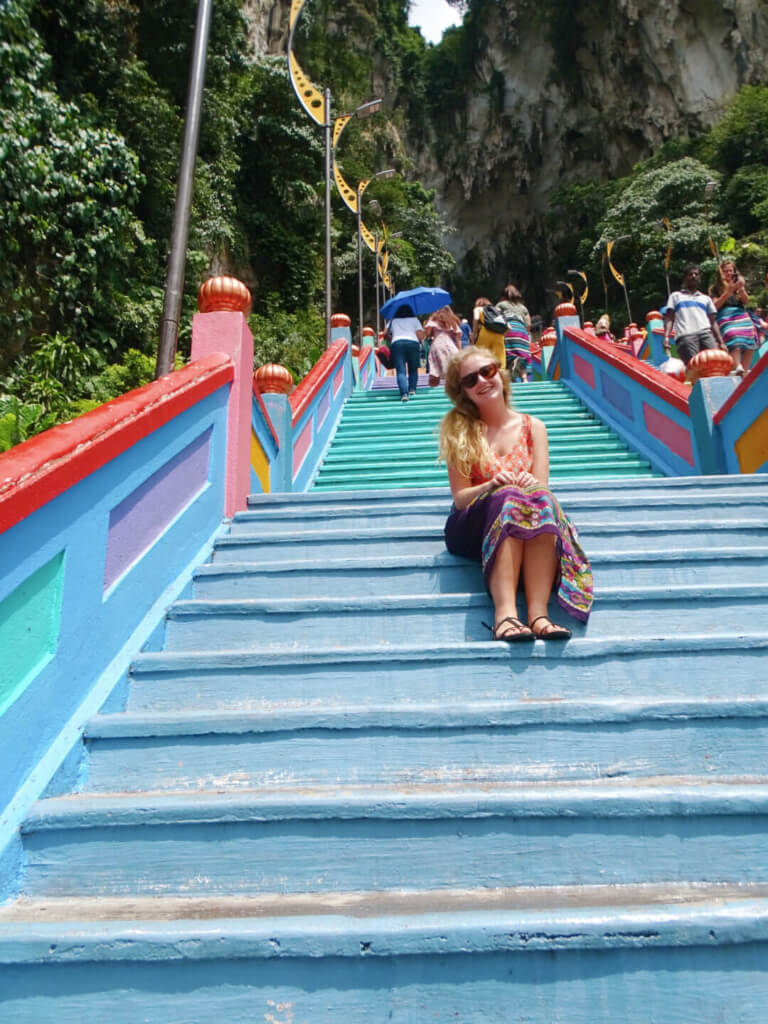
[(478, 530)]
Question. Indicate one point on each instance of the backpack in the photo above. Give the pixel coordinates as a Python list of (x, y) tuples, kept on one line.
[(493, 320)]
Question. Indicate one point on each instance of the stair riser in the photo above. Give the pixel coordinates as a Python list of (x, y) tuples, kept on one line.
[(609, 618), (449, 579), (608, 539), (331, 854), (264, 525), (687, 983), (452, 681), (420, 480), (328, 757)]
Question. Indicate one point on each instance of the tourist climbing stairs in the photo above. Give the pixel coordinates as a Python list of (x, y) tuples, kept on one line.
[(383, 442), (324, 794)]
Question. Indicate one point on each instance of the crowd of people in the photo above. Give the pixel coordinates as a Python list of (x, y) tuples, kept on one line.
[(504, 329)]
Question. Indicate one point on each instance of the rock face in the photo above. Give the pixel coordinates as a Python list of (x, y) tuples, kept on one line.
[(563, 91), (569, 91)]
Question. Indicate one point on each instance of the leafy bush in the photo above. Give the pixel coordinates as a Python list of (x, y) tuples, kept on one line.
[(295, 340)]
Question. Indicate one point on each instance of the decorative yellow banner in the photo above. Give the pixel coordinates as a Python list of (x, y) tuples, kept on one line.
[(296, 6), (585, 293), (368, 238), (619, 277), (309, 95), (346, 191), (338, 127)]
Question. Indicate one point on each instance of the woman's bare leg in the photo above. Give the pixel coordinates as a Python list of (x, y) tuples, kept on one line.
[(539, 568), (735, 354), (746, 359), (503, 581)]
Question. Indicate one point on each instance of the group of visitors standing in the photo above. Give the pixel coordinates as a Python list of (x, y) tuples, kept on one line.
[(720, 319), (503, 330)]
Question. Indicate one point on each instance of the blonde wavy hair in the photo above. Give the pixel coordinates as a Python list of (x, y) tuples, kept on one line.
[(462, 431)]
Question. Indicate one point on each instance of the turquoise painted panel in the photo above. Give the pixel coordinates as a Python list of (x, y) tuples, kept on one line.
[(30, 621)]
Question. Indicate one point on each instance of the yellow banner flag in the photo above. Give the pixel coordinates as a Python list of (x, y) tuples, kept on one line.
[(619, 277)]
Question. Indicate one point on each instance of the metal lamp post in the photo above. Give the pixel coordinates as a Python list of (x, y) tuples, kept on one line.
[(174, 281), (362, 186), (317, 106)]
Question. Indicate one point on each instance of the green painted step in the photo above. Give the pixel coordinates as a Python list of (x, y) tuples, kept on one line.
[(382, 442)]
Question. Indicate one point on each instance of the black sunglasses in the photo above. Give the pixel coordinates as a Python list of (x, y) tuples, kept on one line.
[(487, 372)]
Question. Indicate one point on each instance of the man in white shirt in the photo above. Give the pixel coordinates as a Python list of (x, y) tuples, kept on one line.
[(692, 313)]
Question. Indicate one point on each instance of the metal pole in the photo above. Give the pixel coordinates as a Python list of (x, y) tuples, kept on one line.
[(174, 282), (376, 261), (328, 126), (359, 267)]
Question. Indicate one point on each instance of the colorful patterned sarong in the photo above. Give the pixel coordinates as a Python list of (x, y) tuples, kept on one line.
[(517, 342), (737, 327), (478, 530)]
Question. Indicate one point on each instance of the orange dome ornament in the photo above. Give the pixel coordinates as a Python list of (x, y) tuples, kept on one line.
[(340, 320), (565, 309), (712, 362), (223, 295), (273, 379), (549, 338)]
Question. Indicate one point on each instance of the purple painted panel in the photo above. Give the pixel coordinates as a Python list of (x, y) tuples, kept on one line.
[(137, 522), (323, 407), (616, 394), (338, 380), (584, 369)]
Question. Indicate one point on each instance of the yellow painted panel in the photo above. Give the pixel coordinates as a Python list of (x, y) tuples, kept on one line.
[(752, 446), (260, 463)]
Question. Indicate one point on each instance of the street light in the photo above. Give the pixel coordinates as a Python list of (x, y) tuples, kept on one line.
[(317, 106), (362, 186), (382, 259)]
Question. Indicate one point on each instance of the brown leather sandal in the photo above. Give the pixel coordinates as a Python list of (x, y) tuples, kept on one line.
[(521, 633), (555, 632)]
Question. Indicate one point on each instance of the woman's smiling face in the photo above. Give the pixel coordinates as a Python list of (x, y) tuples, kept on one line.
[(483, 388)]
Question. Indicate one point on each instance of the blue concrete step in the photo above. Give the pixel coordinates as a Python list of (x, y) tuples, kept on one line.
[(597, 535), (435, 836), (468, 956), (442, 573), (411, 669), (330, 796), (512, 740), (302, 622)]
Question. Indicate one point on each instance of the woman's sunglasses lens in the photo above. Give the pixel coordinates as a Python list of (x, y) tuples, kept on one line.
[(487, 372)]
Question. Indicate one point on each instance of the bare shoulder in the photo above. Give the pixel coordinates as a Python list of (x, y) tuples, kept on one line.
[(537, 427)]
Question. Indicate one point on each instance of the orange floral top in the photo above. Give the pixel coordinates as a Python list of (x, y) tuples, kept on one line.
[(519, 459)]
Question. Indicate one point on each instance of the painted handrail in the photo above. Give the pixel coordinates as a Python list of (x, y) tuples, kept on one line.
[(38, 470), (310, 386), (104, 519)]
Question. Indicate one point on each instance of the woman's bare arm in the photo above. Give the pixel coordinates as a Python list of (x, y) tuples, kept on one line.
[(463, 490), (540, 467)]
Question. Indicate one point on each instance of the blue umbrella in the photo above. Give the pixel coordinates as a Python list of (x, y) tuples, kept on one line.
[(420, 300)]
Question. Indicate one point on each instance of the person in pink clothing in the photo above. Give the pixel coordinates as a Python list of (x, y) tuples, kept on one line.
[(444, 331)]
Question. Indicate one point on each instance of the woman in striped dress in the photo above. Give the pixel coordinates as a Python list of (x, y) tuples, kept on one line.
[(730, 297)]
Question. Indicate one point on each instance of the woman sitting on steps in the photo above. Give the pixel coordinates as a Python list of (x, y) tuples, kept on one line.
[(504, 514)]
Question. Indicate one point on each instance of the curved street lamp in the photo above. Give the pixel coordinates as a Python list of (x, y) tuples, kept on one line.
[(317, 106), (370, 241)]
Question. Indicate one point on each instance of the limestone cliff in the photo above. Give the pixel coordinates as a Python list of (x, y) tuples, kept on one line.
[(568, 91), (556, 91)]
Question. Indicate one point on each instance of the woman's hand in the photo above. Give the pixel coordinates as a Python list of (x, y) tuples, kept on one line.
[(505, 478)]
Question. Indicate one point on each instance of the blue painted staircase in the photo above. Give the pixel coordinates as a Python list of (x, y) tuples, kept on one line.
[(330, 797)]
